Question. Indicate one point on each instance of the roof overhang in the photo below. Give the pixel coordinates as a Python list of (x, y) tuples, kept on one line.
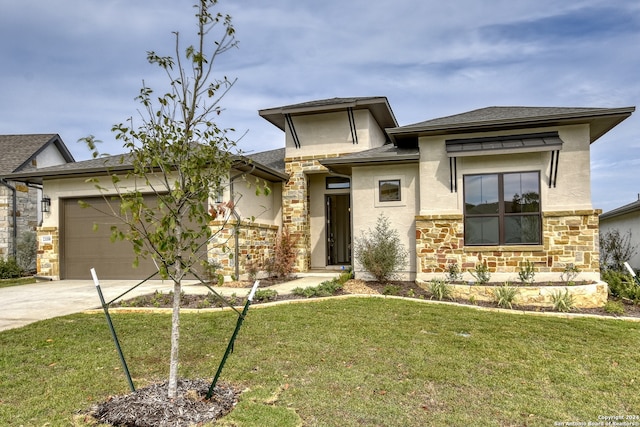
[(378, 106), (600, 121), (527, 143), (623, 210), (119, 165), (344, 164)]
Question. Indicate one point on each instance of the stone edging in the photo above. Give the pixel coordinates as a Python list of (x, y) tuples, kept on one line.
[(423, 301)]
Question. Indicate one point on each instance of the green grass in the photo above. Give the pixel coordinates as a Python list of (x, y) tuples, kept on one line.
[(5, 283), (348, 362)]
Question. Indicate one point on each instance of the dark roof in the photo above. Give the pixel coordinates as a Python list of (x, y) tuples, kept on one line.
[(122, 162), (386, 154), (506, 118), (19, 150), (273, 159), (377, 105), (631, 207)]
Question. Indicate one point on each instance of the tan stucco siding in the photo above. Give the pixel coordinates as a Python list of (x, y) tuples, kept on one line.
[(572, 191), (366, 207), (265, 209), (320, 134)]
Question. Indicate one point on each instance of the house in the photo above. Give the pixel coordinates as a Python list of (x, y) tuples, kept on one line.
[(625, 219), (496, 186), (21, 204)]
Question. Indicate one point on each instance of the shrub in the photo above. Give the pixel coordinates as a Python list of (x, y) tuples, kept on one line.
[(505, 295), (324, 289), (527, 274), (380, 251), (615, 249), (569, 274), (562, 301), (264, 295), (481, 273), (9, 269), (614, 307), (284, 256), (26, 251), (621, 285), (391, 290), (453, 272), (440, 289)]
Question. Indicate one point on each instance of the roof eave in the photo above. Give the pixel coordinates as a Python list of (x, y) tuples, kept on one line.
[(608, 118), (379, 107)]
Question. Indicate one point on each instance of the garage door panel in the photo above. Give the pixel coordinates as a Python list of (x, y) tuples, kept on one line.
[(83, 248)]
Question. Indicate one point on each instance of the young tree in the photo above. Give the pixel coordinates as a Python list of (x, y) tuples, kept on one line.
[(181, 155), (380, 251)]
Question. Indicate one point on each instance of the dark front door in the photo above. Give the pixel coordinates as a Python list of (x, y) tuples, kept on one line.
[(338, 217)]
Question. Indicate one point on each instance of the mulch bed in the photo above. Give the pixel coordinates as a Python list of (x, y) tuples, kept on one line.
[(150, 406)]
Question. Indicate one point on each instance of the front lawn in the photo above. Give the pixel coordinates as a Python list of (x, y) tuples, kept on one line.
[(350, 362)]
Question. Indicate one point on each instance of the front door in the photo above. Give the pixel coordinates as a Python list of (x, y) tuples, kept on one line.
[(338, 217)]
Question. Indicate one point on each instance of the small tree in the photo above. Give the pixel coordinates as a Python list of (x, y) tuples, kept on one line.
[(27, 251), (380, 251), (182, 157), (280, 265), (615, 249)]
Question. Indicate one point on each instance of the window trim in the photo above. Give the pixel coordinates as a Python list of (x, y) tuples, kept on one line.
[(381, 181), (502, 214)]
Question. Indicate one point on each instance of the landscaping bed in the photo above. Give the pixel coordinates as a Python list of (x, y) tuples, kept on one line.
[(615, 307)]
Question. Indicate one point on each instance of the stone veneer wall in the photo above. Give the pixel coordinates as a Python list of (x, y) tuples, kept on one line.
[(256, 243), (295, 204), (26, 215), (569, 237), (48, 258)]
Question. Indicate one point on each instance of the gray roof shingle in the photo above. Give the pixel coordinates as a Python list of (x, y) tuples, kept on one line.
[(18, 150)]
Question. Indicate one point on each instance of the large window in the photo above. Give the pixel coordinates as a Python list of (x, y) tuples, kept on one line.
[(502, 209)]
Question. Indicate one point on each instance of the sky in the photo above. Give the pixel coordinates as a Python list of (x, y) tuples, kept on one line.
[(74, 67)]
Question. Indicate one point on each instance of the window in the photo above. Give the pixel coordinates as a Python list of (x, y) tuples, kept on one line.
[(337, 183), (502, 209), (389, 190)]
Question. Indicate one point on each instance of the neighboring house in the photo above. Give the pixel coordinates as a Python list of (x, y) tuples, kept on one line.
[(626, 219), (498, 185), (20, 204)]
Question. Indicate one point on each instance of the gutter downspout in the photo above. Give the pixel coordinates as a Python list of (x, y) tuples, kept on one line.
[(14, 203), (236, 215)]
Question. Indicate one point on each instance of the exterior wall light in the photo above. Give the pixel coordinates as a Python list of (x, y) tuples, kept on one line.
[(45, 204)]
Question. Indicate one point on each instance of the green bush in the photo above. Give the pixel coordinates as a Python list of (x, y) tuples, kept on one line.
[(563, 301), (380, 251), (481, 273), (621, 285), (614, 307), (440, 289), (505, 295), (527, 273), (391, 290), (264, 295), (9, 269), (324, 289)]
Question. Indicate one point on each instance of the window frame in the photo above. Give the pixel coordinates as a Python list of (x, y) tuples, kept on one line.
[(502, 215), (389, 180)]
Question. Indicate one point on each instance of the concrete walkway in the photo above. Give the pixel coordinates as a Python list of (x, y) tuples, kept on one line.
[(24, 304)]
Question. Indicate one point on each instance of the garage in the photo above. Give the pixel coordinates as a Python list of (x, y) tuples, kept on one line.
[(83, 248)]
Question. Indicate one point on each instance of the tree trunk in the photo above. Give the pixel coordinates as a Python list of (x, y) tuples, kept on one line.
[(175, 339)]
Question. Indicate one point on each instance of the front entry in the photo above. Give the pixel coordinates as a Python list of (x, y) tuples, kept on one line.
[(338, 221)]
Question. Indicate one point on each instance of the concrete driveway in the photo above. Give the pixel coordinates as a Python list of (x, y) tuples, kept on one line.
[(24, 304)]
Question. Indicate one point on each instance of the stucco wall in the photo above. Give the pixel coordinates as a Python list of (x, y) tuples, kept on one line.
[(366, 208), (572, 189), (320, 134), (629, 222)]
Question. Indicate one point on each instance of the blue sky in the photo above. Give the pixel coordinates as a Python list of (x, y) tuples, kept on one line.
[(73, 67)]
